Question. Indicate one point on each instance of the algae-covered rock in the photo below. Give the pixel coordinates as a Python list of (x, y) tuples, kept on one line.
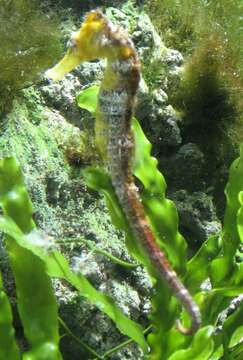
[(47, 133), (52, 139), (65, 208)]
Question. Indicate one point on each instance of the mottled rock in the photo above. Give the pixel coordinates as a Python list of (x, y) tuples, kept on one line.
[(172, 58), (185, 169), (144, 105), (160, 97), (148, 42), (197, 215), (164, 124)]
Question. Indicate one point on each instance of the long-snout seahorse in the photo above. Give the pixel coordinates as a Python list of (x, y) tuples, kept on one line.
[(100, 38)]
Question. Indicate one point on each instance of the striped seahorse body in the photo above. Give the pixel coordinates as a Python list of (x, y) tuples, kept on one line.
[(99, 38)]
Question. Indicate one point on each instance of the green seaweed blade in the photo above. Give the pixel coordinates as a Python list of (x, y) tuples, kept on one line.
[(224, 269), (163, 218), (35, 297), (8, 346), (201, 347), (57, 266), (215, 260)]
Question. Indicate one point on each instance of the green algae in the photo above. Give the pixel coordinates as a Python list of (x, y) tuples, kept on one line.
[(216, 258), (203, 97), (208, 33), (208, 94), (30, 41), (183, 24)]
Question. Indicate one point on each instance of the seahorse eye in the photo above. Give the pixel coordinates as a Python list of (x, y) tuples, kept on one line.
[(72, 44)]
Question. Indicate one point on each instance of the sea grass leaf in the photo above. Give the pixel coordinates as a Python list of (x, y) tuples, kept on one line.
[(8, 346), (213, 263), (36, 301), (223, 268), (201, 347), (163, 217), (57, 266), (88, 99), (51, 262)]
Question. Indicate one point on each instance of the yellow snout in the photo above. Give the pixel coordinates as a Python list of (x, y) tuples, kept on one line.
[(85, 45)]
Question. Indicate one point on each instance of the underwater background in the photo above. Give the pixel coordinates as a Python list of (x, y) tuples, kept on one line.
[(189, 105)]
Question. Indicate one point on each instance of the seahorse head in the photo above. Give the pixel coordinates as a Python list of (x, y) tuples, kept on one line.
[(97, 38)]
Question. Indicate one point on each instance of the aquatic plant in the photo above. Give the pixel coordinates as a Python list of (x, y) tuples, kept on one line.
[(8, 345), (208, 33), (208, 94), (203, 98), (214, 263), (184, 23), (115, 141), (36, 302), (34, 261), (30, 41)]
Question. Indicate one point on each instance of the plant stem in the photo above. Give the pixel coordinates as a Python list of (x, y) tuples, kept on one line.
[(84, 345), (100, 251)]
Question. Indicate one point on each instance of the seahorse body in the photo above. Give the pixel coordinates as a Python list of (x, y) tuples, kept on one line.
[(99, 38)]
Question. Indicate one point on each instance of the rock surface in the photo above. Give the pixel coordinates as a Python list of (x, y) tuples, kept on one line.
[(41, 127)]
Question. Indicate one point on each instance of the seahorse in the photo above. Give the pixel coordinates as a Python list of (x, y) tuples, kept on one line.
[(99, 38)]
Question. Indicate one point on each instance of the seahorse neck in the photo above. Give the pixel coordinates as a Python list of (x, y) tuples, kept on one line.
[(115, 107), (118, 73)]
